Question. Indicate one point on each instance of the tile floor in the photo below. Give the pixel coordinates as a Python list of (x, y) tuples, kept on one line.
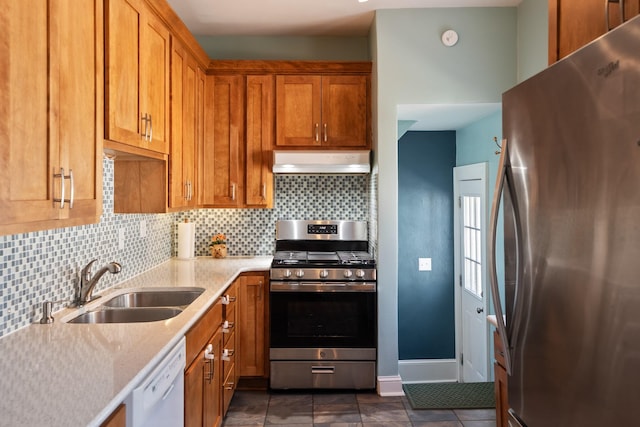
[(358, 409)]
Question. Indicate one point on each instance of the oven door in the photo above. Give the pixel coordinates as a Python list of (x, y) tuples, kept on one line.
[(308, 316)]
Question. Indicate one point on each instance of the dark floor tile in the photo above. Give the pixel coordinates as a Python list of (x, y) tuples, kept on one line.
[(245, 417), (489, 423), (388, 424), (330, 398), (336, 413), (289, 414), (381, 412), (475, 414), (375, 398), (437, 424), (424, 415)]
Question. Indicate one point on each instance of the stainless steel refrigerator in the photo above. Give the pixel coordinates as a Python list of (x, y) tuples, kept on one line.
[(569, 181)]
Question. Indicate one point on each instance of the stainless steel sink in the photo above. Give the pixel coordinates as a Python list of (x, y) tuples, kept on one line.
[(144, 305), (158, 297), (128, 315)]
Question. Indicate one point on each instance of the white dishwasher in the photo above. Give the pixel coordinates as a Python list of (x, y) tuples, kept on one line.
[(159, 400)]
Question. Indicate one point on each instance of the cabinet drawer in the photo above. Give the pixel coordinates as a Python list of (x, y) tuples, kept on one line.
[(498, 349), (228, 388), (199, 334), (230, 347)]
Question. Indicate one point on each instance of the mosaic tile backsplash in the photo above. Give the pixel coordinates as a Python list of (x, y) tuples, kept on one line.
[(42, 266)]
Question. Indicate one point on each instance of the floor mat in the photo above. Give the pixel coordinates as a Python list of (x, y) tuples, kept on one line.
[(450, 395)]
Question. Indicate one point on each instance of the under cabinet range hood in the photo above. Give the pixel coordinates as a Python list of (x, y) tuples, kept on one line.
[(339, 162)]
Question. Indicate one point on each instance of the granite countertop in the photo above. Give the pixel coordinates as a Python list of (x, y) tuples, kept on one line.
[(69, 375)]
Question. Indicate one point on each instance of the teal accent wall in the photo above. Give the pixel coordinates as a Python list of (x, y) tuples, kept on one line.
[(426, 318), (286, 48)]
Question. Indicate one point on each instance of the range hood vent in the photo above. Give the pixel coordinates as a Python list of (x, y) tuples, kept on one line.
[(339, 162)]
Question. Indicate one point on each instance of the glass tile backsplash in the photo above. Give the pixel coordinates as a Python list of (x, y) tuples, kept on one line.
[(42, 266)]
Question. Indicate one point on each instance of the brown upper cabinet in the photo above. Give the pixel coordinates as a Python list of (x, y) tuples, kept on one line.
[(260, 112), (223, 141), (51, 126), (575, 23), (185, 123), (137, 76), (322, 111)]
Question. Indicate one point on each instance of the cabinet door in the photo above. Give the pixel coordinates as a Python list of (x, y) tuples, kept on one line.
[(574, 23), (252, 326), (27, 178), (51, 120), (137, 54), (345, 111), (183, 128), (124, 117), (199, 177), (118, 418), (194, 386), (222, 160), (298, 110), (259, 141), (213, 385), (154, 81), (77, 85)]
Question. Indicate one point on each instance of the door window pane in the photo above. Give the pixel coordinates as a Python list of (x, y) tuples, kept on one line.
[(472, 244)]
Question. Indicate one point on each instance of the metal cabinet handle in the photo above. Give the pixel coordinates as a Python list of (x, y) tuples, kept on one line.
[(229, 386), (209, 358), (227, 326), (145, 122), (73, 188), (264, 191), (607, 20), (317, 132), (61, 188), (150, 128), (62, 198), (326, 137), (233, 191)]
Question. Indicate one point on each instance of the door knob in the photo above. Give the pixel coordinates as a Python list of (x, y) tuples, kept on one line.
[(479, 310)]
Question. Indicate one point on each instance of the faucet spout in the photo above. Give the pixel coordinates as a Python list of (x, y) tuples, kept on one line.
[(88, 282)]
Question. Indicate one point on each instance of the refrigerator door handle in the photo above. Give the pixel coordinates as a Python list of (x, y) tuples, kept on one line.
[(503, 166)]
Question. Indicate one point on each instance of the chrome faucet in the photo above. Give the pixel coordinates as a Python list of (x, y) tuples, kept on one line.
[(88, 282)]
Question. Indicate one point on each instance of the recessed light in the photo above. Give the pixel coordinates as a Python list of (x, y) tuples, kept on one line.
[(362, 1)]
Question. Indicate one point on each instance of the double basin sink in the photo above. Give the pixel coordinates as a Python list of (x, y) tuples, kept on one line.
[(145, 305)]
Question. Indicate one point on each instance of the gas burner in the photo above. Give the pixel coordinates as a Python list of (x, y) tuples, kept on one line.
[(355, 257)]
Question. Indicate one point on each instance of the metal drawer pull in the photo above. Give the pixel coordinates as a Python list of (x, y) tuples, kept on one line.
[(227, 354), (226, 299), (606, 12), (228, 386), (226, 326), (209, 358), (323, 369), (62, 199), (317, 132), (326, 137)]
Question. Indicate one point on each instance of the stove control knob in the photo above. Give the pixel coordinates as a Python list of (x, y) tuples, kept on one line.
[(359, 274), (348, 274), (286, 274), (324, 274), (300, 274)]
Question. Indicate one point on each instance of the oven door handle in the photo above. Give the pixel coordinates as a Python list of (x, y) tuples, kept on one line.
[(322, 287)]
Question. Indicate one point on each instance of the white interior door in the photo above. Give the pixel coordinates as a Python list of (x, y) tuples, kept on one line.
[(470, 224)]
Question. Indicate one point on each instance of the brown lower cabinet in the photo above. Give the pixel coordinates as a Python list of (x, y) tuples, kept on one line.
[(118, 417), (204, 372), (500, 373), (234, 325)]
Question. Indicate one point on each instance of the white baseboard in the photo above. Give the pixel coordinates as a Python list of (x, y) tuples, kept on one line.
[(390, 386), (428, 371)]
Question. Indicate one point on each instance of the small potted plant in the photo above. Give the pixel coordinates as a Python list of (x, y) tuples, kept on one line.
[(218, 246)]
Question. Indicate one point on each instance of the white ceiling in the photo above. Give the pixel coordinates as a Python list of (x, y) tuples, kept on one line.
[(299, 17), (328, 18)]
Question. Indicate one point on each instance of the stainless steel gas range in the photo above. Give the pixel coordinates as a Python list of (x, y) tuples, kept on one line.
[(323, 317)]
